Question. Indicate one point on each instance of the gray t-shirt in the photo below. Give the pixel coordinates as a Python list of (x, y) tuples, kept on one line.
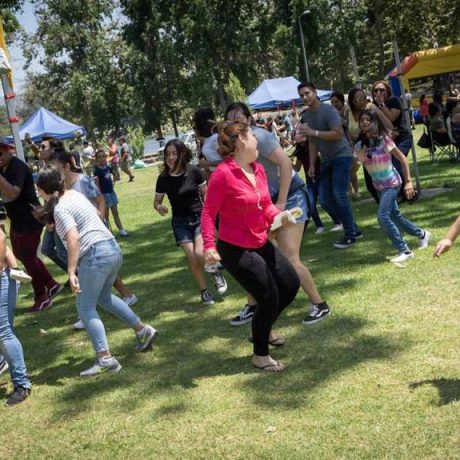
[(75, 211), (209, 149), (326, 118), (266, 144)]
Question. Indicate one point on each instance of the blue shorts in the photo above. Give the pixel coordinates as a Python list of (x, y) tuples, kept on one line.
[(111, 199), (186, 228), (299, 199)]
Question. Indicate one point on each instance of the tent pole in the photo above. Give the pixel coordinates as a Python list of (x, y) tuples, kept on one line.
[(406, 112)]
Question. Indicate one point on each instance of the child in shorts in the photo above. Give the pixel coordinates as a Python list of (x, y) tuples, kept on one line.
[(103, 175)]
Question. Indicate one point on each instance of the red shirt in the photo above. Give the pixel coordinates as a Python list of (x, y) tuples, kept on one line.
[(245, 212)]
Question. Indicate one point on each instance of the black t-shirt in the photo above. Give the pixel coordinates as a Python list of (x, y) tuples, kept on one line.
[(20, 210), (77, 158), (399, 124), (182, 191)]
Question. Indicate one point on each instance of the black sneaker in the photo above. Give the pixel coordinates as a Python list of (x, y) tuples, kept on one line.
[(245, 316), (317, 313), (19, 395), (344, 243), (206, 297), (358, 234)]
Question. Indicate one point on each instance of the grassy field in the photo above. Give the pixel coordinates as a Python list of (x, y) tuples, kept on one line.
[(380, 378)]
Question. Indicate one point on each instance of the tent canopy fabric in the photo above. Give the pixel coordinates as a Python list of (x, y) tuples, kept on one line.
[(42, 122), (429, 62), (279, 93)]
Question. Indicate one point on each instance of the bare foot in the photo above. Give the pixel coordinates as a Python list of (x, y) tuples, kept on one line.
[(267, 363)]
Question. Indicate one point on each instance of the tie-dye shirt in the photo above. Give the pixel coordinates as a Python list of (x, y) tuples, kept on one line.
[(379, 165)]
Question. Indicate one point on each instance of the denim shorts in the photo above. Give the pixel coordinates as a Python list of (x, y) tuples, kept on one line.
[(299, 199), (111, 199), (186, 228)]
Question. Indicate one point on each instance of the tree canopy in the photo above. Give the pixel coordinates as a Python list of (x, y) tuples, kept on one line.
[(113, 64)]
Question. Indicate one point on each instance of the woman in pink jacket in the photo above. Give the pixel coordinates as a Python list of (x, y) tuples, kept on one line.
[(238, 192)]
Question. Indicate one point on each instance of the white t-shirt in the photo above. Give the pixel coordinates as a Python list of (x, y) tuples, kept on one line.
[(75, 211), (87, 152)]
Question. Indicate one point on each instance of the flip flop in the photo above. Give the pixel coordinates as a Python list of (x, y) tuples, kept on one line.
[(270, 367), (278, 342)]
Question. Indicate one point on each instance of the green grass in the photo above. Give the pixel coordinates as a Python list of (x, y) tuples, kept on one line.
[(378, 379)]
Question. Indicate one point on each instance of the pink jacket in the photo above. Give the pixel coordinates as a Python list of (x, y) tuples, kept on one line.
[(245, 212)]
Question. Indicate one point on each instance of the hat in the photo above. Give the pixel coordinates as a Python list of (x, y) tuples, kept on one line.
[(5, 144)]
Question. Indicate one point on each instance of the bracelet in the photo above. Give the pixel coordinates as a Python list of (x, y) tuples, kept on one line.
[(316, 133)]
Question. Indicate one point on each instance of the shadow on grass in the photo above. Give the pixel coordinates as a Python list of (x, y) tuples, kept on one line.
[(203, 347), (449, 389)]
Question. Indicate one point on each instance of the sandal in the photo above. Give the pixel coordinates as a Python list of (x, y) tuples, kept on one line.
[(278, 342), (275, 367)]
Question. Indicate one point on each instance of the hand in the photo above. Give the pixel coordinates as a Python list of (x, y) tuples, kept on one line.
[(379, 98), (27, 138), (311, 172), (443, 246), (204, 163), (409, 190), (49, 227), (74, 283), (211, 257), (361, 155), (162, 210), (285, 221)]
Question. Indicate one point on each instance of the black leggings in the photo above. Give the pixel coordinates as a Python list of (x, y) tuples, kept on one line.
[(269, 277)]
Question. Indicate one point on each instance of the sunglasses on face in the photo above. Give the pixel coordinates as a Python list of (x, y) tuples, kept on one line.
[(380, 90), (43, 147)]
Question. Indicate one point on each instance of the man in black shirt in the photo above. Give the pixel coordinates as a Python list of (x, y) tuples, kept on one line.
[(18, 193)]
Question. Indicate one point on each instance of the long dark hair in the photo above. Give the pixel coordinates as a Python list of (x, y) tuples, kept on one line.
[(351, 101), (204, 122), (183, 156), (377, 129), (241, 107), (51, 182)]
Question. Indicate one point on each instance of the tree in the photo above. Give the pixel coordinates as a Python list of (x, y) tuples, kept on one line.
[(84, 60)]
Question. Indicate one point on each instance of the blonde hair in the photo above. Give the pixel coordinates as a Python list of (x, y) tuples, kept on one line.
[(228, 135)]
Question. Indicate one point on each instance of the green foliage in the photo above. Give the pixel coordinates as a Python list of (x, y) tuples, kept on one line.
[(234, 90), (110, 65), (137, 140)]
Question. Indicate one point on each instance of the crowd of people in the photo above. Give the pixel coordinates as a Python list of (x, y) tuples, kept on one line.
[(243, 210)]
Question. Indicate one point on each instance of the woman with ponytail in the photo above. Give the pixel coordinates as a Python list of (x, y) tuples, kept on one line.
[(94, 251)]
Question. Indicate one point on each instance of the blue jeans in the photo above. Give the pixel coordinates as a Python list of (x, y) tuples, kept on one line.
[(9, 343), (97, 270), (392, 221), (312, 194), (54, 249), (333, 192)]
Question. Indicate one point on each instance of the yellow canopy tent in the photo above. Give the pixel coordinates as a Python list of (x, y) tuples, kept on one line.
[(421, 69)]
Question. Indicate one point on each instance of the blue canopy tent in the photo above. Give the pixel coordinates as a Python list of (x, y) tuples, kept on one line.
[(279, 93), (42, 122)]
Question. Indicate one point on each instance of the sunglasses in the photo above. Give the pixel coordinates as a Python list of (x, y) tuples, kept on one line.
[(43, 147), (380, 90)]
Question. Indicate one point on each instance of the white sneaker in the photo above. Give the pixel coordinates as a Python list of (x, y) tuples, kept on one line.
[(402, 257), (423, 242), (79, 326), (320, 230), (337, 228), (109, 364), (130, 300), (123, 232), (20, 275)]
